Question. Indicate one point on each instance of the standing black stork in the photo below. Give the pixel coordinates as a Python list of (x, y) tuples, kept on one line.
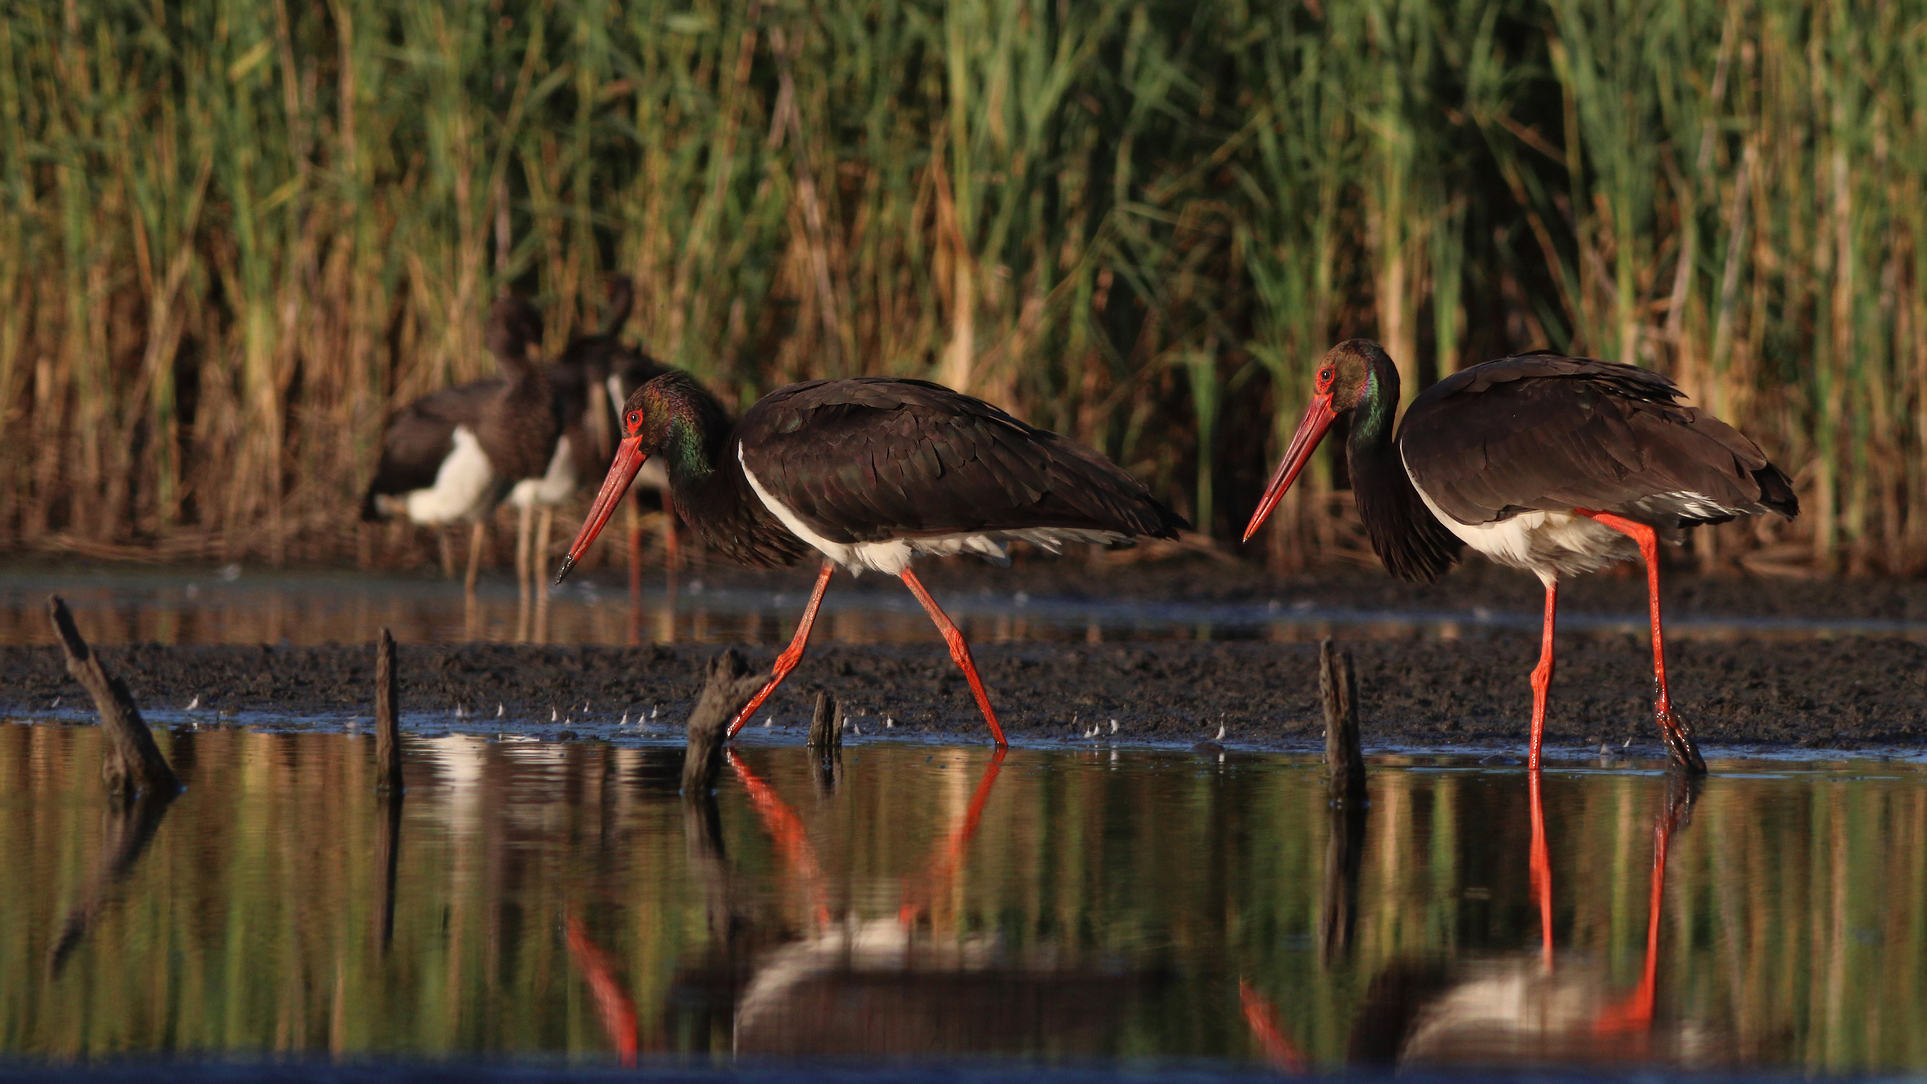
[(871, 472), (453, 455), (1552, 464)]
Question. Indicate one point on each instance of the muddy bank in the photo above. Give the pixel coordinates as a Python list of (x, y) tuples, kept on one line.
[(1848, 693)]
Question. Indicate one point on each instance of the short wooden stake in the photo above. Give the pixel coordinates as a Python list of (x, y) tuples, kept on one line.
[(387, 716), (1338, 688), (729, 687), (133, 765)]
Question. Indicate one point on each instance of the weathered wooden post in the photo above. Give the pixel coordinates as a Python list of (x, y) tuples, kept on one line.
[(1338, 688), (1345, 844), (826, 724), (387, 716), (729, 687), (826, 742), (133, 764)]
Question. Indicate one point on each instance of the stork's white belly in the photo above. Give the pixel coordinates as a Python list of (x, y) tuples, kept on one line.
[(464, 484), (894, 555), (1550, 545)]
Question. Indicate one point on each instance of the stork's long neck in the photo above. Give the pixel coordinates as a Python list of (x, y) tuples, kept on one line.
[(711, 492), (1404, 533), (1369, 448)]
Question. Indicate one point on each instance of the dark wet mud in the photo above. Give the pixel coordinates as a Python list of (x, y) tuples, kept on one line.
[(1848, 693)]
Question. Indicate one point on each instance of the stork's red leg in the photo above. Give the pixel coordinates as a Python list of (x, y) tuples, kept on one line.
[(1542, 674), (1679, 741), (959, 651), (791, 655), (1541, 869)]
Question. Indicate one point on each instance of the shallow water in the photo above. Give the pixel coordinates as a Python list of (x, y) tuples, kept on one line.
[(531, 900), (229, 606)]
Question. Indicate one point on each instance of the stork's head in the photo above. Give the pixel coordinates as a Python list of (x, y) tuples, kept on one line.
[(1349, 377)]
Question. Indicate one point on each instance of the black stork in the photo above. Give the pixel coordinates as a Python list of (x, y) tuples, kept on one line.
[(1552, 464), (451, 456), (871, 472)]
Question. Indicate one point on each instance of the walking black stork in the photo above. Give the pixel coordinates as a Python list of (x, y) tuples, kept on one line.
[(871, 472), (453, 455), (1552, 464)]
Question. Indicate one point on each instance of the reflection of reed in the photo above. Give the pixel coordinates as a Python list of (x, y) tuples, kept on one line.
[(1794, 925)]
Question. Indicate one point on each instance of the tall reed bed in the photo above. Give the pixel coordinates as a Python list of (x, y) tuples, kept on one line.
[(239, 233)]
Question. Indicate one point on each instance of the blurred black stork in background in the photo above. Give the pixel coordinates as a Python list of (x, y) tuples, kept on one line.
[(436, 468), (451, 456), (871, 472), (1552, 464)]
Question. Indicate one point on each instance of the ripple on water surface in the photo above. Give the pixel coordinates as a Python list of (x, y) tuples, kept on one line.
[(536, 900)]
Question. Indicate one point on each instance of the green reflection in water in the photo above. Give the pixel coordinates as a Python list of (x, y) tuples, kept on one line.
[(564, 899)]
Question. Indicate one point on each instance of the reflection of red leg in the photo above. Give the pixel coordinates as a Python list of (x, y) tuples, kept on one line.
[(612, 1004), (1542, 675), (959, 651), (791, 655), (786, 828), (1262, 1018), (1679, 742), (1541, 869), (945, 866), (1635, 1014)]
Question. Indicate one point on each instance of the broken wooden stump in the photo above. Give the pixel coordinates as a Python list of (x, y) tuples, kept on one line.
[(826, 723), (1338, 689), (729, 687), (133, 764), (387, 716)]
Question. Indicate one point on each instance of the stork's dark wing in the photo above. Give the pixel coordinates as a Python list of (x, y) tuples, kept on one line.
[(420, 435), (872, 458), (1541, 431)]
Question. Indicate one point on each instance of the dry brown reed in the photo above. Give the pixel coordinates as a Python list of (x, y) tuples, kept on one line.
[(239, 233)]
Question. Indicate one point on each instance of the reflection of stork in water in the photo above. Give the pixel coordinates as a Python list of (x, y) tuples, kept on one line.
[(850, 985), (1514, 1010)]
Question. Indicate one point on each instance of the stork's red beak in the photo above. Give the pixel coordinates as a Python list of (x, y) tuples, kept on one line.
[(1311, 429), (629, 460)]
